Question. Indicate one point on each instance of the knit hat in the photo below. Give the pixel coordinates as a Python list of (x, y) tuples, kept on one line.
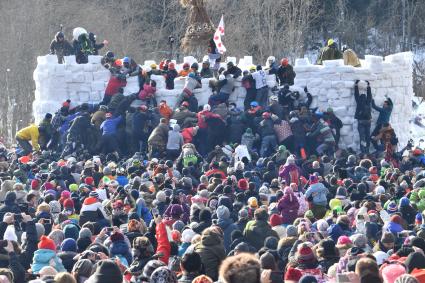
[(84, 267), (341, 193), (381, 257), (65, 194), (176, 236), (116, 236), (68, 204), (35, 183), (392, 207), (275, 220), (73, 187), (243, 184), (94, 194), (161, 196), (178, 225), (71, 231), (304, 254), (359, 240), (187, 235), (293, 274), (313, 179), (57, 236), (223, 212), (291, 231), (252, 202), (202, 279), (387, 238), (151, 266), (85, 233), (404, 201), (344, 242), (379, 190), (243, 213), (69, 245), (261, 214), (55, 207), (89, 180), (46, 243), (163, 275), (392, 271), (308, 279), (107, 271)]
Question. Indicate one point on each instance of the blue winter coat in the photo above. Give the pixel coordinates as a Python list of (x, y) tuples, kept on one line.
[(227, 226), (319, 192), (143, 212), (121, 250), (45, 257)]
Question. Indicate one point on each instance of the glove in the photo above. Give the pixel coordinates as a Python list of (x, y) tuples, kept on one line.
[(357, 81), (305, 89)]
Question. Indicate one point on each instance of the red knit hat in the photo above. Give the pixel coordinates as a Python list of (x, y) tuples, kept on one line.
[(305, 254), (275, 220), (344, 240), (176, 236), (243, 184), (293, 274), (46, 243), (34, 184), (89, 181), (68, 203), (48, 186)]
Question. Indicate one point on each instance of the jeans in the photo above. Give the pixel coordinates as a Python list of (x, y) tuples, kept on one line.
[(267, 142), (25, 145), (262, 96), (364, 133)]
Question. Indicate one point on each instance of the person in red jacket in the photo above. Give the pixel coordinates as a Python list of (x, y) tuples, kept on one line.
[(202, 125), (288, 206), (116, 81), (189, 133), (163, 247), (147, 94)]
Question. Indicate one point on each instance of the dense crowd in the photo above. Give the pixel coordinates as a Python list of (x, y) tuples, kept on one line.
[(131, 190)]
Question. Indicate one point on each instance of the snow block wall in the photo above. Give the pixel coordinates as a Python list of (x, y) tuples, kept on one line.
[(332, 85)]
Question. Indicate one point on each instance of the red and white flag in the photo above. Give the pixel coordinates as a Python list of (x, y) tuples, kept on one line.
[(217, 36)]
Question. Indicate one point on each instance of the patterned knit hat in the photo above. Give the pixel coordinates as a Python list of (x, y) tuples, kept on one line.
[(304, 254), (151, 266), (293, 274)]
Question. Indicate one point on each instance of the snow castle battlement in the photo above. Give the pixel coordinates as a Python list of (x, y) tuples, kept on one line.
[(331, 85)]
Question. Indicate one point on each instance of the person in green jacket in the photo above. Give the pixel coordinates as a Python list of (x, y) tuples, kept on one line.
[(329, 52), (257, 230)]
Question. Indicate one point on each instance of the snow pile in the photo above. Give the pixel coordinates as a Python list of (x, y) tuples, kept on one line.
[(331, 86)]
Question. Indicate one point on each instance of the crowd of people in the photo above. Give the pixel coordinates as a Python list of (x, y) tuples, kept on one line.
[(131, 190)]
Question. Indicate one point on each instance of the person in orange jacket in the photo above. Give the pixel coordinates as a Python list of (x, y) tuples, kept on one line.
[(186, 70), (165, 110), (163, 247)]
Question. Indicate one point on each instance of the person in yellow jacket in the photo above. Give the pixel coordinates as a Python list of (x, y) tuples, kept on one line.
[(27, 134), (350, 57)]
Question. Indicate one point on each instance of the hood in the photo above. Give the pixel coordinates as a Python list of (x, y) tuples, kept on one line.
[(211, 238), (43, 256), (176, 128), (10, 198), (119, 248)]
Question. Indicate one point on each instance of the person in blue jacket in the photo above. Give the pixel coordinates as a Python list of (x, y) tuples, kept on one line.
[(316, 194), (109, 127), (383, 118)]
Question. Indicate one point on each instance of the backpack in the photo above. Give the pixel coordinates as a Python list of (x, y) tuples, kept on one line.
[(190, 158)]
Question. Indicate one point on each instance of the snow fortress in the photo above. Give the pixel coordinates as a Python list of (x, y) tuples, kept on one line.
[(331, 85)]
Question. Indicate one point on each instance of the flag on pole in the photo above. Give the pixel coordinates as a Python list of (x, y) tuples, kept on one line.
[(217, 36)]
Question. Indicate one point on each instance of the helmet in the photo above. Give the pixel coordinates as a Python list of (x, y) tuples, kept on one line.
[(195, 66), (126, 60), (293, 114), (153, 66), (266, 115), (254, 104), (271, 58), (110, 54), (330, 42), (252, 68), (284, 62)]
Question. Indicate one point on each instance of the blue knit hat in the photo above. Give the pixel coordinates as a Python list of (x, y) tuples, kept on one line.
[(71, 231), (404, 201), (392, 207), (69, 245)]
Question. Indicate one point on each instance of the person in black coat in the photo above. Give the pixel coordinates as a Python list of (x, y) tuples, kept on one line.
[(205, 221), (334, 123), (363, 115)]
